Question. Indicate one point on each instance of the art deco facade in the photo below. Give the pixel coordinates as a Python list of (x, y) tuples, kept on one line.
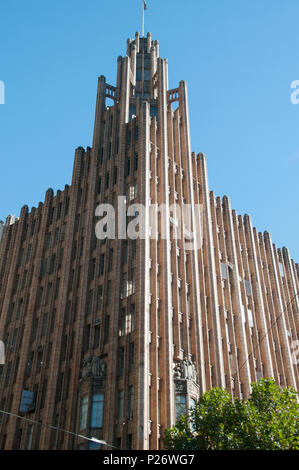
[(115, 338)]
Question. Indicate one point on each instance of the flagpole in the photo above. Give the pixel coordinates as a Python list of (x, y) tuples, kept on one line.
[(142, 18)]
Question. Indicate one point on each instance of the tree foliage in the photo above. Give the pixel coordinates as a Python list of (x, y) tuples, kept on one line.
[(268, 420)]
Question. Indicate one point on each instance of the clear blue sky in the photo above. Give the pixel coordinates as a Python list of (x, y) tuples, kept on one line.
[(238, 57)]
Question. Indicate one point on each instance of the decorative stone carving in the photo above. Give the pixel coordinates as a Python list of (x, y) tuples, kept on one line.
[(186, 379), (185, 370), (94, 367)]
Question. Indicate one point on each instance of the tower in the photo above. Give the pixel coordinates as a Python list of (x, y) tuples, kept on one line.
[(133, 291)]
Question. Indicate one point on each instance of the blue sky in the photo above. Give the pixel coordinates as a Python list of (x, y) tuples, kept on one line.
[(238, 57)]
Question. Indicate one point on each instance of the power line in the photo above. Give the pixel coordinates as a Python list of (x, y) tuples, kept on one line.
[(92, 439), (269, 329)]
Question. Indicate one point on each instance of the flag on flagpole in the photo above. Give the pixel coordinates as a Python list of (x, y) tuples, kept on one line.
[(144, 7)]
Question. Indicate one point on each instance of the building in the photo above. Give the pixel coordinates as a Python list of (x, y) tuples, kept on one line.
[(115, 338), (1, 229)]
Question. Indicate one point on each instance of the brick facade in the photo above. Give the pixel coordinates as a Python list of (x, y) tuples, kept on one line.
[(117, 336)]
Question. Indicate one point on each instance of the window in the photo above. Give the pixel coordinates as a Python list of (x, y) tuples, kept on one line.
[(19, 309), (48, 240), (94, 446), (19, 437), (63, 348), (131, 195), (67, 205), (110, 263), (86, 338), (122, 322), (107, 181), (281, 269), (131, 322), (24, 279), (56, 236), (63, 230), (39, 297), (83, 412), (49, 353), (28, 252), (248, 287), (92, 267), (45, 323), (97, 331), (59, 210), (57, 287), (192, 404), (34, 328), (135, 188), (121, 361), (130, 442), (136, 162), (131, 356), (97, 410), (120, 405), (128, 167), (71, 280), (101, 155), (109, 292), (134, 246), (106, 330), (99, 185), (100, 297), (147, 75), (130, 402), (243, 314), (44, 392), (27, 401), (59, 387), (49, 293), (180, 406), (181, 335), (81, 246), (132, 109), (133, 281), (115, 175), (124, 290), (60, 258), (52, 264), (154, 111), (102, 263), (250, 318), (89, 302), (223, 271), (125, 252), (51, 215)]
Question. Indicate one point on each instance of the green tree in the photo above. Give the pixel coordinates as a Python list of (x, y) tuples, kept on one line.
[(268, 420)]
